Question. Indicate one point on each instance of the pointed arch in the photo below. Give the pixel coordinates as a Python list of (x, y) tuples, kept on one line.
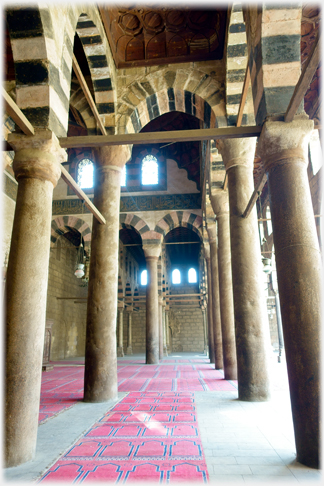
[(179, 218), (62, 224)]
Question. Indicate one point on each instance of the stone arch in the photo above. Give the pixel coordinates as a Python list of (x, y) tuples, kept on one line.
[(132, 221), (179, 218), (236, 62), (61, 225), (43, 65), (40, 78), (104, 92), (168, 100), (273, 38)]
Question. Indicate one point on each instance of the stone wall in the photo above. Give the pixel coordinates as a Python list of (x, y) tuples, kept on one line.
[(69, 327)]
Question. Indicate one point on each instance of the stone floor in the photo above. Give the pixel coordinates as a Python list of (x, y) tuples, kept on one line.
[(242, 441)]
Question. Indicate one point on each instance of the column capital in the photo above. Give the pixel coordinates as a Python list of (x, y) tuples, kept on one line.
[(219, 202), (237, 151), (37, 156), (152, 251), (281, 142), (113, 156)]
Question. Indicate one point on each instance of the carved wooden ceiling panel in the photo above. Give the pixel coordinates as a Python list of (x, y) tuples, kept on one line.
[(146, 36)]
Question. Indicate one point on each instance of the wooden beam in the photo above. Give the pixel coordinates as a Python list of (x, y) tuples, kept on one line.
[(160, 137), (16, 114), (225, 182), (258, 188), (78, 191), (87, 94), (304, 81), (245, 89)]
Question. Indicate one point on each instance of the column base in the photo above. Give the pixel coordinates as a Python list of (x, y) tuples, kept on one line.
[(129, 350), (47, 367), (120, 352)]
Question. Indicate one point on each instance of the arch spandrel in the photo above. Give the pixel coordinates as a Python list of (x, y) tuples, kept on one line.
[(62, 224)]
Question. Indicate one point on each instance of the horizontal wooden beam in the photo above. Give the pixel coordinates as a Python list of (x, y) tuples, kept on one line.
[(304, 81), (160, 137), (16, 114), (81, 195), (87, 94), (258, 188)]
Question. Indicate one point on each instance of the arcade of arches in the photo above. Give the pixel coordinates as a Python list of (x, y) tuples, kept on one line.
[(94, 71)]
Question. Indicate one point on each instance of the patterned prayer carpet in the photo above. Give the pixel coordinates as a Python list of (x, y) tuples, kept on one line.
[(150, 436), (62, 387)]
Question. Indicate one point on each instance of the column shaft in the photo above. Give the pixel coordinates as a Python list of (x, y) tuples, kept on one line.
[(211, 345), (37, 172), (129, 336), (152, 312), (120, 349), (100, 378), (284, 148), (251, 326), (217, 326), (160, 329), (165, 348), (226, 297)]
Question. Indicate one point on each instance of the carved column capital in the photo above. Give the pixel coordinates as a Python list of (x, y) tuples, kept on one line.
[(113, 156), (152, 251), (237, 151), (38, 156), (281, 143)]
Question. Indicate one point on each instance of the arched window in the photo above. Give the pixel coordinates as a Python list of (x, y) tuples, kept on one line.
[(192, 276), (85, 174), (176, 276), (269, 224), (123, 177), (144, 277), (150, 170)]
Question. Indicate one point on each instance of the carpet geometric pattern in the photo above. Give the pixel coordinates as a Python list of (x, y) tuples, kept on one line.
[(147, 436), (62, 387)]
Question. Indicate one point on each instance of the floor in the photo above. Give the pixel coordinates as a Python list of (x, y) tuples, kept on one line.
[(242, 441)]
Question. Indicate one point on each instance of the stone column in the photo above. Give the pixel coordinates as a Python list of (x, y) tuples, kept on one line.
[(251, 325), (165, 348), (203, 311), (220, 206), (160, 327), (284, 151), (120, 348), (211, 348), (100, 378), (167, 331), (217, 326), (37, 169), (152, 253), (129, 350)]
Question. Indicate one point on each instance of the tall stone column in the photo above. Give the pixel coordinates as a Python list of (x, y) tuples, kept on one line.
[(100, 377), (160, 327), (165, 348), (37, 169), (211, 346), (152, 253), (167, 330), (129, 349), (203, 310), (120, 348), (217, 325), (284, 151), (251, 325), (220, 206)]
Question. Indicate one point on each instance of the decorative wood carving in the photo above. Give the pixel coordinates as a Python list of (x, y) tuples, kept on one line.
[(143, 36)]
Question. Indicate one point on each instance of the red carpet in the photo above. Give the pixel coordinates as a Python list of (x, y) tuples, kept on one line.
[(146, 437), (62, 387)]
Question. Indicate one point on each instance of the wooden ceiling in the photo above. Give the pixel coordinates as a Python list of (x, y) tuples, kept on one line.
[(164, 35)]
